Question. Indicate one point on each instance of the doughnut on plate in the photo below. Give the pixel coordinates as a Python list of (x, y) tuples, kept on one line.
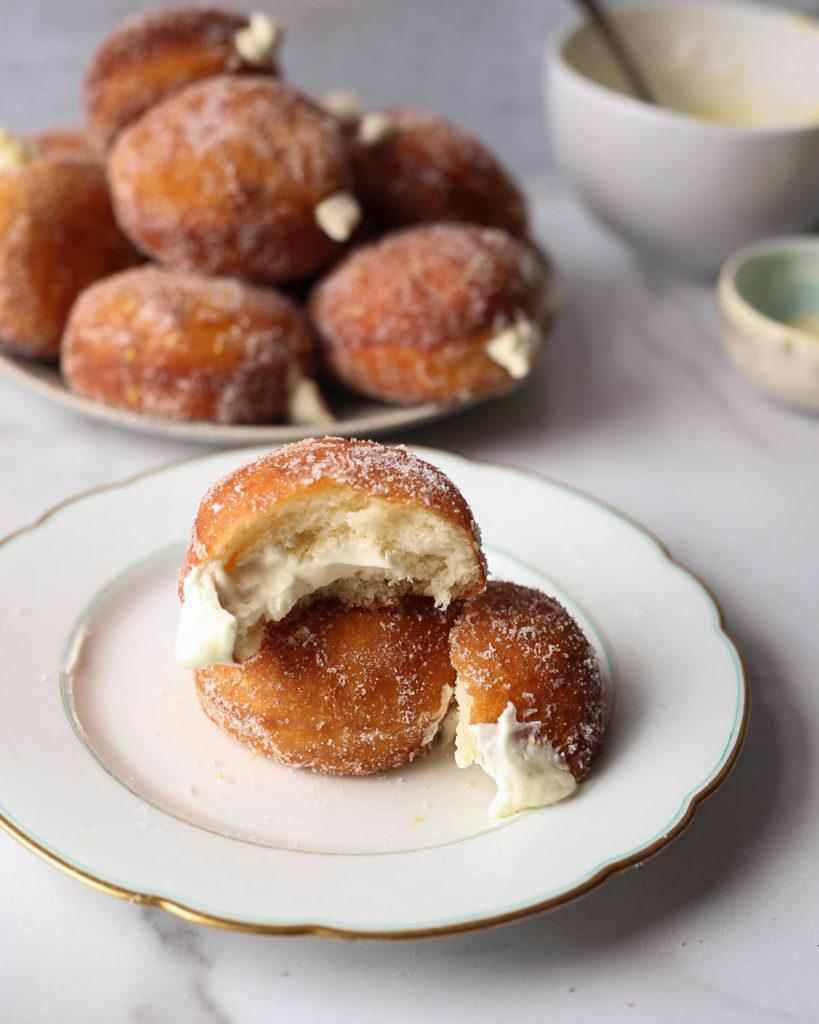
[(110, 771), (356, 416)]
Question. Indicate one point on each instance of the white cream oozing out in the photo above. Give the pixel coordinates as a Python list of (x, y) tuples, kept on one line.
[(306, 405), (345, 105), (376, 128), (219, 610), (259, 42), (516, 347), (338, 215), (14, 151), (528, 771)]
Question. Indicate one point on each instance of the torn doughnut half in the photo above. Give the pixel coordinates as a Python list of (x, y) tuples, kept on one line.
[(529, 695), (339, 689), (355, 520)]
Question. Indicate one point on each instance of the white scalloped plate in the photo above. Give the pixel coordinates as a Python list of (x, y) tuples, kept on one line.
[(357, 417), (130, 788)]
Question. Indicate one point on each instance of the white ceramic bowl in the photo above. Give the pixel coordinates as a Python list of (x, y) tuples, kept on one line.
[(769, 300), (683, 184)]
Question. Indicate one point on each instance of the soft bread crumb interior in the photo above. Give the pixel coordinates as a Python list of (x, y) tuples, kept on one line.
[(335, 532)]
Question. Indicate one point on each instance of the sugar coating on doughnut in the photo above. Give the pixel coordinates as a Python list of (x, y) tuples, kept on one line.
[(338, 689), (152, 55), (184, 346), (225, 177), (353, 519), (413, 317), (529, 695), (414, 167), (57, 236), (65, 142)]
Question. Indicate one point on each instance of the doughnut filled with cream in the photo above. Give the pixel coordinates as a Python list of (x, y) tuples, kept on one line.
[(188, 346), (529, 695), (57, 236), (355, 520), (236, 174), (148, 57), (442, 312), (413, 167)]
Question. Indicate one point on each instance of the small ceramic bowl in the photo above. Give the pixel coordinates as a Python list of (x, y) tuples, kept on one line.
[(769, 299), (731, 155)]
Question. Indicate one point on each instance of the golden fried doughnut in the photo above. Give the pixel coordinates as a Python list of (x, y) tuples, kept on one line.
[(57, 236), (355, 520), (442, 312), (413, 167), (155, 54), (529, 693), (186, 346), (338, 689), (66, 142), (235, 175)]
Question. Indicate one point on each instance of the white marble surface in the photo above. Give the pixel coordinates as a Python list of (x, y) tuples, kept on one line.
[(634, 403)]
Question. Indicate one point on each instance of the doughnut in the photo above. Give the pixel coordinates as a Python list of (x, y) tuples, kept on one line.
[(155, 54), (186, 346), (355, 520), (65, 142), (235, 175), (338, 689), (412, 167), (57, 236), (529, 693), (441, 312)]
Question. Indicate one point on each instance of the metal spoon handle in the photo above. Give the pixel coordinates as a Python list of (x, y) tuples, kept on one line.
[(614, 40)]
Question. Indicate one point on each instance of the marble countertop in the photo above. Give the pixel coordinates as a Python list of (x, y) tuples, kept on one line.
[(634, 403)]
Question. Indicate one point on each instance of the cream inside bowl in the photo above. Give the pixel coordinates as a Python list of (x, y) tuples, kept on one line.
[(717, 63), (730, 154), (769, 300)]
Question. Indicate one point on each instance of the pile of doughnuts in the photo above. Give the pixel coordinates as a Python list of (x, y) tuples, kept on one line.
[(212, 241), (336, 611)]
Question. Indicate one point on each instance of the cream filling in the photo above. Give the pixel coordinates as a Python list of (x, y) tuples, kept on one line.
[(338, 215), (259, 42), (220, 610), (516, 347), (344, 105), (528, 771), (306, 406), (376, 128), (14, 151)]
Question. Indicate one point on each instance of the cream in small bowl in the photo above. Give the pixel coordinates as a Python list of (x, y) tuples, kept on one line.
[(769, 302), (730, 154)]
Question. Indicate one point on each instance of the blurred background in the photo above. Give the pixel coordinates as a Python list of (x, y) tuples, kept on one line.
[(477, 62)]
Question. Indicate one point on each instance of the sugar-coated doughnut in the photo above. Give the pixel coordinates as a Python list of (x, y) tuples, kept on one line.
[(155, 54), (356, 520), (186, 346), (413, 167), (235, 175), (442, 312), (338, 689), (65, 142), (57, 236), (529, 692)]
